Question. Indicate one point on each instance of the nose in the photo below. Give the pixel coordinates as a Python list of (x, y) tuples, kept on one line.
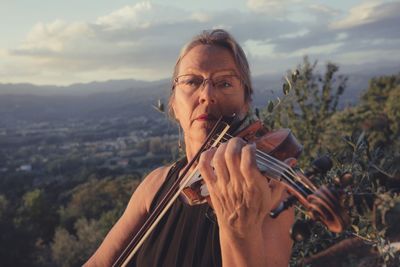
[(207, 92)]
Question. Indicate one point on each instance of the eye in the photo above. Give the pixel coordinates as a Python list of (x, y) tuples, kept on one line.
[(223, 84), (192, 81)]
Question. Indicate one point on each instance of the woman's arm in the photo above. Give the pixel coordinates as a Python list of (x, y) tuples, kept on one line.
[(242, 199), (270, 246), (130, 221)]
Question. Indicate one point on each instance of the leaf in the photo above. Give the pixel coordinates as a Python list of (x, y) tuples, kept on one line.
[(295, 74), (347, 139), (286, 88), (355, 228), (159, 107), (270, 107), (360, 139)]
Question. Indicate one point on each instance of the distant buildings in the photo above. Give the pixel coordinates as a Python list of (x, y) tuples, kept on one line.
[(25, 168)]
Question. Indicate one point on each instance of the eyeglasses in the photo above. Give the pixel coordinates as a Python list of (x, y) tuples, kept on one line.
[(226, 84)]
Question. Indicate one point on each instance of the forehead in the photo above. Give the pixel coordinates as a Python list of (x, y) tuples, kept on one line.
[(206, 59)]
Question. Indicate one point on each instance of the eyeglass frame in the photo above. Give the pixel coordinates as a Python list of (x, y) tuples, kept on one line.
[(204, 80)]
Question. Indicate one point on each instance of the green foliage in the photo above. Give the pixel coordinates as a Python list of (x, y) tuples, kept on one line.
[(392, 109), (52, 229), (3, 206), (73, 250), (34, 216), (313, 100), (364, 144), (95, 197), (92, 210), (377, 116)]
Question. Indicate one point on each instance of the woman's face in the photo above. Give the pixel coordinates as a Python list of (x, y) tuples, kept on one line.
[(197, 106)]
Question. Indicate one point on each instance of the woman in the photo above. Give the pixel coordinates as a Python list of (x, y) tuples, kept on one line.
[(211, 78)]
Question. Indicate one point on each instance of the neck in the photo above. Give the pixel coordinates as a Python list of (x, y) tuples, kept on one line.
[(191, 148)]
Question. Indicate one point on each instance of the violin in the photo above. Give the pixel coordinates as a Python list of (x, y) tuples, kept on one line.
[(276, 155)]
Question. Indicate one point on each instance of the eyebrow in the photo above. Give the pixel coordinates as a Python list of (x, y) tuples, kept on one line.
[(196, 71)]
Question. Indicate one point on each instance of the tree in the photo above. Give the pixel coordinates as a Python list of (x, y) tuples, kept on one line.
[(3, 206), (307, 109), (364, 142), (35, 216), (73, 250), (95, 197)]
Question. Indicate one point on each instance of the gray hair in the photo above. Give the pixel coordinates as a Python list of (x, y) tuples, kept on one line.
[(222, 38)]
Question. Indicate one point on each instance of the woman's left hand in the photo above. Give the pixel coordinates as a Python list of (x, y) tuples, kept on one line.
[(240, 194)]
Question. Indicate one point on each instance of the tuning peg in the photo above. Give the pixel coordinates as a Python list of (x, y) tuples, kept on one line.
[(284, 205), (320, 166)]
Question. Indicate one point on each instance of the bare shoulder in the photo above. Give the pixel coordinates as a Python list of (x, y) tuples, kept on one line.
[(152, 183), (147, 189), (139, 204)]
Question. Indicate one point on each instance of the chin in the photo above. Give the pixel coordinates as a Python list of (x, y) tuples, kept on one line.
[(201, 130), (200, 135)]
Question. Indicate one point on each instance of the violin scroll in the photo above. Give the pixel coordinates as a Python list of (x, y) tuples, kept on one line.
[(321, 203), (324, 206)]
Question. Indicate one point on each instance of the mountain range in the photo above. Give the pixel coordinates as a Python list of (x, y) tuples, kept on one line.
[(28, 102)]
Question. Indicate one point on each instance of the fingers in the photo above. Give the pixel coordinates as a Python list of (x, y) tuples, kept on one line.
[(248, 167), (220, 165), (239, 192), (225, 160), (205, 167), (232, 154), (230, 160)]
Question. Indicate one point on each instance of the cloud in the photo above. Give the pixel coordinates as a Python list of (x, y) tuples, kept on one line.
[(143, 40), (371, 20), (373, 24), (271, 6), (367, 13), (52, 36), (3, 53), (131, 16), (141, 16), (323, 10), (133, 37)]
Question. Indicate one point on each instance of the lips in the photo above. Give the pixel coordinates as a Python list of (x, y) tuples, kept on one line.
[(205, 117)]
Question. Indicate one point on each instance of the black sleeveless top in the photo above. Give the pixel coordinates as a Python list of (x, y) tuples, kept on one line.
[(185, 236)]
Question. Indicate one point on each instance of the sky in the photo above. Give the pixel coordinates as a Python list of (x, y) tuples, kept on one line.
[(62, 42)]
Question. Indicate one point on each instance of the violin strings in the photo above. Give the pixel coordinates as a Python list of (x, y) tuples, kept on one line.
[(269, 162), (265, 160), (289, 178), (283, 167), (278, 162), (269, 159)]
